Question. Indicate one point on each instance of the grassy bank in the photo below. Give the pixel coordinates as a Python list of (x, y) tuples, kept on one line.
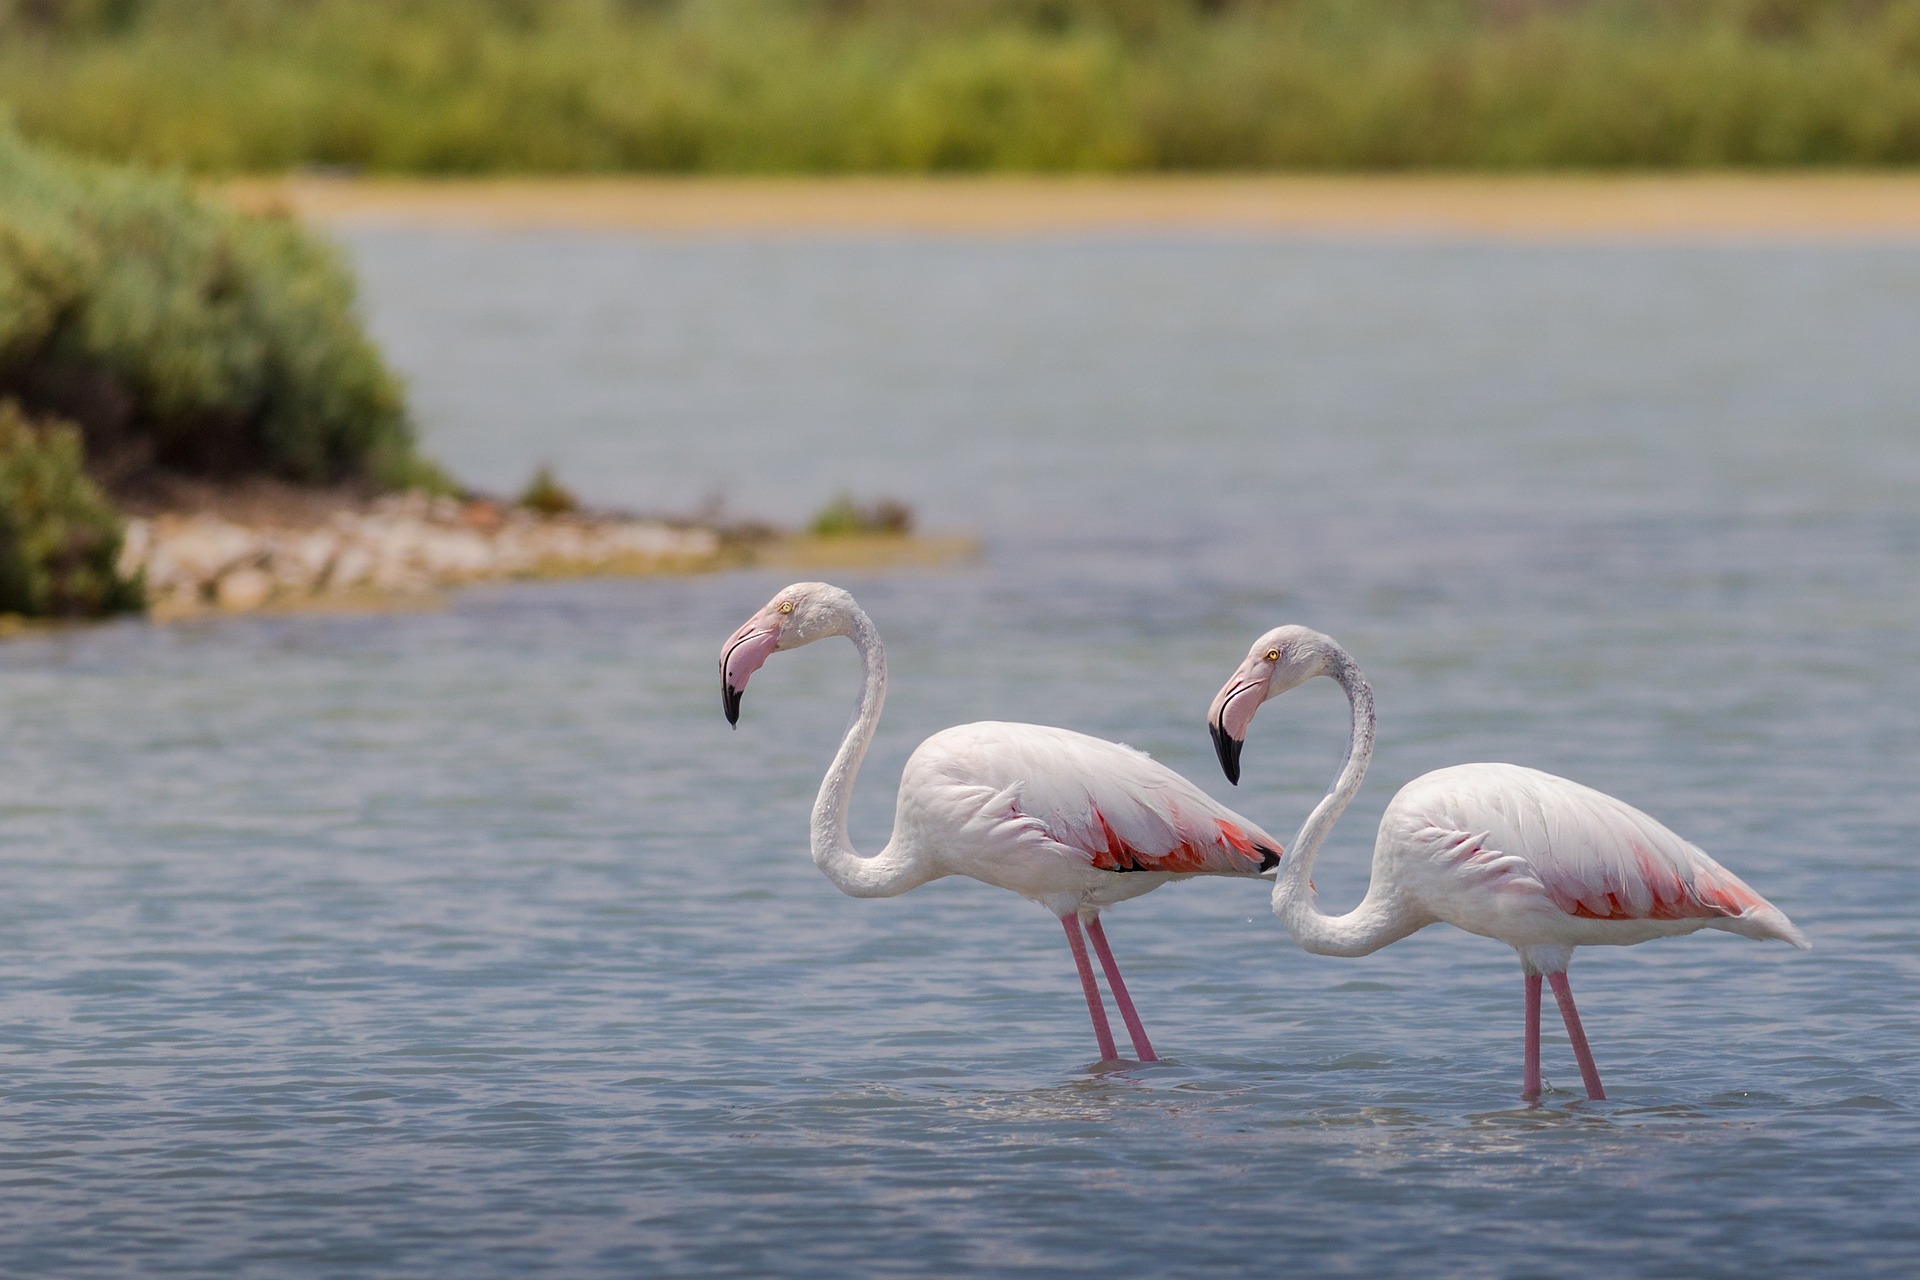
[(929, 85)]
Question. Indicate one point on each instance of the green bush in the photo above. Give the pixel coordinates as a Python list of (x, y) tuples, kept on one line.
[(545, 494), (59, 538), (843, 517), (915, 85), (184, 337)]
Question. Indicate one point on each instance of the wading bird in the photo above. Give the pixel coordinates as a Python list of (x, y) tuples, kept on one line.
[(1529, 859), (1072, 822)]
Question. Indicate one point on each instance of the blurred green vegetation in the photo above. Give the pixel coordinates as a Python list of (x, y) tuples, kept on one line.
[(915, 85), (59, 537), (545, 494), (186, 338), (843, 517)]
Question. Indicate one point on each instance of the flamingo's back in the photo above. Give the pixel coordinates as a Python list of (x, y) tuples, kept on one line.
[(1484, 839), (996, 795)]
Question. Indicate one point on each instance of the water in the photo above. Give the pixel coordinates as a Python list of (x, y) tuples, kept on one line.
[(472, 943)]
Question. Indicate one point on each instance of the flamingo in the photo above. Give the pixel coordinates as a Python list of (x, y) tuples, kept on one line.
[(1071, 822), (1524, 857)]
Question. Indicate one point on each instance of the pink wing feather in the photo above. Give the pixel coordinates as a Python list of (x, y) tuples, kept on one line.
[(1592, 856), (1107, 804)]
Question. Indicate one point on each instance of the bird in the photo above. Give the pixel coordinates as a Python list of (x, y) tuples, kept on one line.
[(1527, 858), (1071, 822)]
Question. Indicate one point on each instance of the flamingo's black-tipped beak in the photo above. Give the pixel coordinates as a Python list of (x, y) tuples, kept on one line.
[(1227, 747), (742, 656)]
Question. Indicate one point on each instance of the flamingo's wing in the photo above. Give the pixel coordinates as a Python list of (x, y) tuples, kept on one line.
[(1592, 856), (1107, 804)]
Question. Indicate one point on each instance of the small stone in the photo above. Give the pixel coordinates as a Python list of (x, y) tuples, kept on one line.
[(203, 548), (300, 563), (456, 554), (243, 589), (402, 543), (135, 546), (350, 569)]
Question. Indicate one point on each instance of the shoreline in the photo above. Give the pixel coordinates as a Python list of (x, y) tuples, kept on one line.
[(406, 551), (265, 546), (1828, 207), (791, 552)]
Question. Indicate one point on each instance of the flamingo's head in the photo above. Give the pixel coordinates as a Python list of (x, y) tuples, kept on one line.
[(1282, 659), (797, 615)]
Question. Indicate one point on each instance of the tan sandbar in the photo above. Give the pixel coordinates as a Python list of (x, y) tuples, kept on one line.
[(1816, 207)]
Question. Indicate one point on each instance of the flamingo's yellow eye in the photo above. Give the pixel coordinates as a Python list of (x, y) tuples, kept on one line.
[(786, 606), (1273, 655)]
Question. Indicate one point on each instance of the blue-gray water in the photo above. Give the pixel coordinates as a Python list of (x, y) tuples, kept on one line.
[(472, 943)]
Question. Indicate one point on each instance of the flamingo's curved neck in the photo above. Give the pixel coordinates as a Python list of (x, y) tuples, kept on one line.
[(1379, 919), (894, 869)]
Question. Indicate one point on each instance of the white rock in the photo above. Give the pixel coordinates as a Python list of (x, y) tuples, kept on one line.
[(404, 543), (457, 553), (562, 544), (394, 571), (202, 548), (648, 539), (351, 568), (243, 589), (135, 545), (300, 563), (514, 552), (699, 542)]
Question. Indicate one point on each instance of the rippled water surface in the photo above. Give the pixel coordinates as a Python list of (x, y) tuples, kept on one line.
[(472, 943)]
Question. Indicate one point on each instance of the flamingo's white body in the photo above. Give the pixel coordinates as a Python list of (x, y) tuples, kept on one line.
[(1527, 858), (1071, 822)]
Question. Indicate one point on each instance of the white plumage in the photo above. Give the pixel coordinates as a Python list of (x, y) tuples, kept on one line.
[(1547, 864), (1072, 822), (1055, 815), (1527, 858)]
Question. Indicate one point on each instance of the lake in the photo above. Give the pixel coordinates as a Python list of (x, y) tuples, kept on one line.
[(471, 941)]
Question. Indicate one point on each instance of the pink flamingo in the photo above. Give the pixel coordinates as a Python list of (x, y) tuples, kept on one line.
[(1072, 822), (1529, 859)]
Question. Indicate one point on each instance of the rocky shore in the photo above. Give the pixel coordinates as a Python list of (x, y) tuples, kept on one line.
[(401, 545)]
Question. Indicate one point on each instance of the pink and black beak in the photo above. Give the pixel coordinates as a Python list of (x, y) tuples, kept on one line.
[(1227, 747), (742, 655), (1232, 712)]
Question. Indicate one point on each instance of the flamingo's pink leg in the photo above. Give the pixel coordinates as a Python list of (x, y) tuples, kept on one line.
[(1101, 1031), (1530, 1080), (1098, 933), (1589, 1073)]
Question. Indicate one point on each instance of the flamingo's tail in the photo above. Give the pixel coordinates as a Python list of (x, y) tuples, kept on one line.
[(1764, 921)]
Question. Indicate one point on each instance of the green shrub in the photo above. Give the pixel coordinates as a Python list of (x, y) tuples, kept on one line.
[(59, 538), (547, 495), (843, 516), (913, 85), (184, 337)]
